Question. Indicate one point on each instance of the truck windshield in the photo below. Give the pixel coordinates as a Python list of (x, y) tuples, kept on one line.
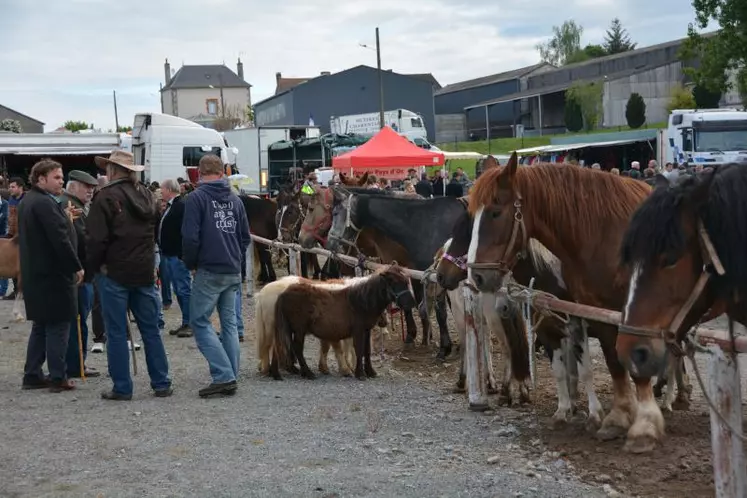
[(715, 141), (416, 122)]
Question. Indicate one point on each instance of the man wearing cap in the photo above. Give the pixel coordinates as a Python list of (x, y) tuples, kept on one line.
[(121, 253), (77, 196)]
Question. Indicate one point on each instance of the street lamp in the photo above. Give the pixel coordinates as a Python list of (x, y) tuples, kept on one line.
[(381, 78)]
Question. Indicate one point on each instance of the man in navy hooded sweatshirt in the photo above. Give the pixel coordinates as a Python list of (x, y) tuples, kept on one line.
[(215, 234)]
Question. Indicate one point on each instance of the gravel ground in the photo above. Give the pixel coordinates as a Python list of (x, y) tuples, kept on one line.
[(331, 437)]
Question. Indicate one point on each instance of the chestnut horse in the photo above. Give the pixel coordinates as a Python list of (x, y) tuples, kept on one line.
[(685, 253), (580, 215), (334, 315), (261, 215), (10, 267)]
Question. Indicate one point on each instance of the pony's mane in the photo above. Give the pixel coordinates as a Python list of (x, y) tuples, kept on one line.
[(655, 234), (550, 190), (369, 292)]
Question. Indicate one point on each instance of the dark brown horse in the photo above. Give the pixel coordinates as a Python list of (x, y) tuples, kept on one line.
[(261, 214), (334, 315), (10, 267), (580, 215)]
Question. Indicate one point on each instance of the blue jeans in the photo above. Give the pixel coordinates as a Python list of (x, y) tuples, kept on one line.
[(239, 318), (182, 282), (222, 354), (163, 270), (143, 301), (3, 286), (85, 303)]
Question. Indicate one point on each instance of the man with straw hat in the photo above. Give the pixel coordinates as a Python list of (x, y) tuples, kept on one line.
[(121, 253)]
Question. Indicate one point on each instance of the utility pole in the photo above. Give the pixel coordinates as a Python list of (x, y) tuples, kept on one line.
[(381, 81), (116, 116)]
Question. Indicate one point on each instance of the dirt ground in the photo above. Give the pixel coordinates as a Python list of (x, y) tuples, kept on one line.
[(680, 466)]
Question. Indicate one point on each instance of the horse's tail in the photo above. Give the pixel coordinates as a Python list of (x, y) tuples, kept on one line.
[(262, 341), (515, 329), (283, 334)]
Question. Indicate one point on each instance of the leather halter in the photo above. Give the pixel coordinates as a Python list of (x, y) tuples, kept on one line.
[(518, 229), (458, 261), (327, 217), (294, 227), (669, 334), (347, 203)]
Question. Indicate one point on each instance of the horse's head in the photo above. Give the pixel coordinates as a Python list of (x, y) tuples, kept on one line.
[(665, 248), (499, 232), (318, 219), (344, 229), (399, 287), (289, 214), (452, 268)]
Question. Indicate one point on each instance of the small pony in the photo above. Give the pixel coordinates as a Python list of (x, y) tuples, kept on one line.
[(264, 326), (336, 314)]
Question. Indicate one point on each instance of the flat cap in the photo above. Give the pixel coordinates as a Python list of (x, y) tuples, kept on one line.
[(83, 177)]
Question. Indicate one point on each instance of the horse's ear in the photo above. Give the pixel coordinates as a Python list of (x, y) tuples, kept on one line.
[(661, 181), (363, 179), (506, 178)]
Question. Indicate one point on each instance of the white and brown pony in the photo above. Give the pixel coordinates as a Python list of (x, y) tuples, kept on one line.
[(10, 267)]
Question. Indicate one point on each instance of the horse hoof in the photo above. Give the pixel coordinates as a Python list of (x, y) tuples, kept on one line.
[(593, 424), (493, 389), (459, 389), (642, 444), (308, 375), (504, 400), (409, 340), (371, 374), (560, 419), (525, 398), (479, 407), (611, 432), (681, 404), (446, 351), (277, 377)]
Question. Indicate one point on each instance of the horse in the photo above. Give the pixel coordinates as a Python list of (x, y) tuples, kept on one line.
[(684, 251), (419, 226), (547, 269), (10, 267), (261, 215), (580, 215), (335, 314), (265, 302)]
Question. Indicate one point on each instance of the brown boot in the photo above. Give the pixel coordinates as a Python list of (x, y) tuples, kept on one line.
[(58, 386)]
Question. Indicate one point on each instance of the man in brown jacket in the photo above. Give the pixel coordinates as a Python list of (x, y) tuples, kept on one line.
[(121, 253), (17, 191)]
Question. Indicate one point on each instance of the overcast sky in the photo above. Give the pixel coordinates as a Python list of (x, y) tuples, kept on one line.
[(61, 59)]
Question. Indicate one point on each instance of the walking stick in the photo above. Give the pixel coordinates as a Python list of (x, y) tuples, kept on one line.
[(132, 346), (80, 352)]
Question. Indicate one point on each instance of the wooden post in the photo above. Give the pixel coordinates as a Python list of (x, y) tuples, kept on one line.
[(294, 261), (729, 472), (477, 389), (250, 270)]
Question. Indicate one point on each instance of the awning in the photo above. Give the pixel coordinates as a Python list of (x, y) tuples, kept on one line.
[(462, 155), (532, 150), (57, 152), (609, 143)]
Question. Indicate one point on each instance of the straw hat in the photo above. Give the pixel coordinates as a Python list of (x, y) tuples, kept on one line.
[(120, 158)]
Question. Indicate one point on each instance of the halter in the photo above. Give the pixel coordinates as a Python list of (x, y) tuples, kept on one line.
[(711, 262), (292, 230), (460, 261), (327, 217), (349, 224), (518, 227)]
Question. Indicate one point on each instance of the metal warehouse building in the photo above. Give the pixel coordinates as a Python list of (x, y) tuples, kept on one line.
[(353, 91)]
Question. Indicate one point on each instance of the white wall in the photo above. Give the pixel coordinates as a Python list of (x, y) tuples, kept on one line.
[(192, 101)]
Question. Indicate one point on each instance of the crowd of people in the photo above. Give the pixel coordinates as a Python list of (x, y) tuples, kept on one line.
[(670, 171), (100, 244)]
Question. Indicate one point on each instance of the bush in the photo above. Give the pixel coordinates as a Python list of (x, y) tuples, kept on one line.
[(574, 119), (635, 111), (680, 98), (705, 98)]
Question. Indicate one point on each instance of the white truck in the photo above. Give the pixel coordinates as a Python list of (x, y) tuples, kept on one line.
[(706, 136), (404, 122), (168, 145)]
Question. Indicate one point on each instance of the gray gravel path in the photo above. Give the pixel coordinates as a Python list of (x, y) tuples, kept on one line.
[(332, 437)]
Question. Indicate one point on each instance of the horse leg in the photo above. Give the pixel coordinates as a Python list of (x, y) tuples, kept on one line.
[(623, 412), (565, 408), (488, 358), (360, 337), (445, 346), (495, 326), (343, 368), (456, 305), (323, 352), (684, 388), (315, 264), (421, 296), (305, 265), (586, 370), (298, 341), (412, 329), (348, 347), (648, 428), (368, 367)]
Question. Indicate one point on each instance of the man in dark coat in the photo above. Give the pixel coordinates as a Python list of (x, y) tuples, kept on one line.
[(455, 187), (424, 188), (121, 253), (77, 195), (50, 271)]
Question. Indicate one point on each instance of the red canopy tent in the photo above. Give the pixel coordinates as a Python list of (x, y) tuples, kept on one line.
[(387, 155)]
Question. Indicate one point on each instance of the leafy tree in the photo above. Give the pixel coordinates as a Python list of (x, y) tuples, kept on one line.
[(725, 50), (249, 114), (589, 98), (124, 129), (565, 42), (77, 125), (574, 120), (588, 52), (617, 39), (680, 98), (705, 98), (11, 125), (635, 111)]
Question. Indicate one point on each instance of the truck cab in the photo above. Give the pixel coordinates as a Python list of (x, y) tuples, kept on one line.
[(707, 136)]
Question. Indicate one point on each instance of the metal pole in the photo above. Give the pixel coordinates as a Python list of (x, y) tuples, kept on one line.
[(539, 101), (487, 126), (381, 81), (116, 116)]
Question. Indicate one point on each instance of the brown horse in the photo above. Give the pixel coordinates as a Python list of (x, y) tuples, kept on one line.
[(261, 214), (10, 267), (335, 315), (580, 215), (685, 252)]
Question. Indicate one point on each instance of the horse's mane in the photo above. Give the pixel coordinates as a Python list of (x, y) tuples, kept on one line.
[(543, 259), (371, 291), (547, 188), (655, 235)]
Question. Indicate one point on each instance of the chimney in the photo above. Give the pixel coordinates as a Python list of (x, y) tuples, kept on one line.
[(167, 72), (278, 77), (325, 73), (240, 69)]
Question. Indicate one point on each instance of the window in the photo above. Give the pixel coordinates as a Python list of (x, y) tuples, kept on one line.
[(416, 123), (191, 155), (212, 106)]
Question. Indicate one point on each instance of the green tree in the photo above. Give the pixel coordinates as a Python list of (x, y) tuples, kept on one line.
[(574, 120), (589, 52), (564, 44), (705, 98), (680, 98), (588, 95), (77, 125), (124, 129), (635, 111), (720, 52), (249, 114), (617, 39), (11, 125)]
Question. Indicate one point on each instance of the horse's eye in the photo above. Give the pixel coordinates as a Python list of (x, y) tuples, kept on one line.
[(669, 261), (495, 214)]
